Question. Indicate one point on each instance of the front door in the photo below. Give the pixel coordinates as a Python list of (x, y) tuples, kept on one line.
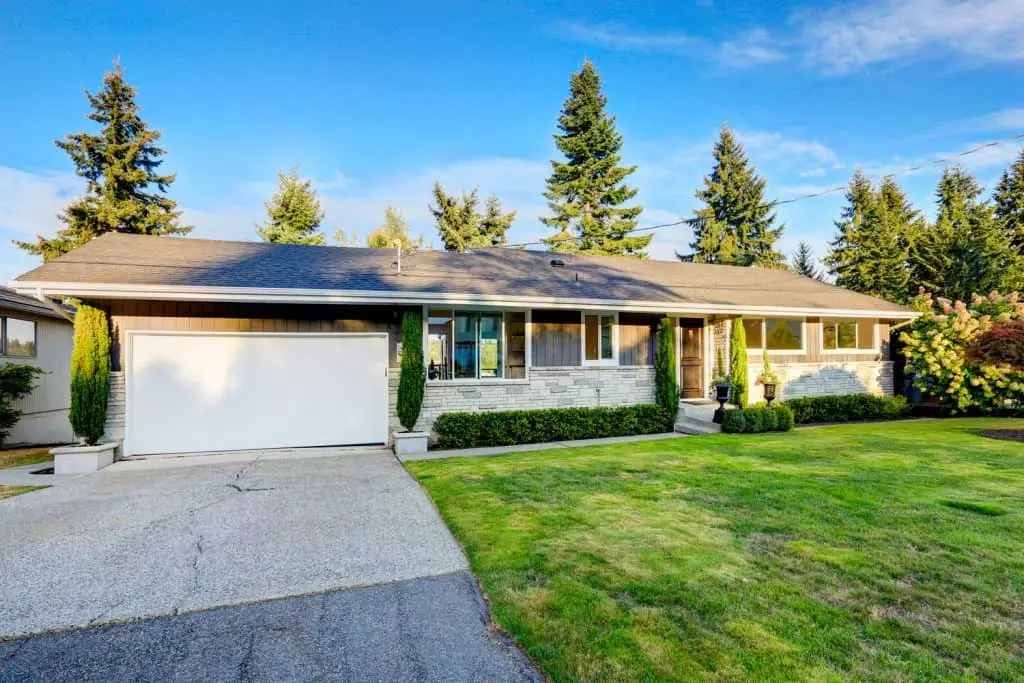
[(691, 358)]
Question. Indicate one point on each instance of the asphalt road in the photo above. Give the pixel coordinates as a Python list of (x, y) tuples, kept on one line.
[(429, 629)]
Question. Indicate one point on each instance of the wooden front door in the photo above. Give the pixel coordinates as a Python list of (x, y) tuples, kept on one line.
[(691, 358)]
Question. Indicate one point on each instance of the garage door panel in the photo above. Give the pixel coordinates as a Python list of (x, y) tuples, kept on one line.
[(226, 391)]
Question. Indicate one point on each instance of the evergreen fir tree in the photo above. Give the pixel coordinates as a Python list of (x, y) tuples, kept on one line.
[(293, 213), (393, 229), (965, 252), (805, 264), (844, 256), (462, 227), (1009, 203), (738, 223), (883, 247), (587, 192), (124, 191)]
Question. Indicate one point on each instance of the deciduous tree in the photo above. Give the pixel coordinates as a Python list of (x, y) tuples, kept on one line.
[(393, 229)]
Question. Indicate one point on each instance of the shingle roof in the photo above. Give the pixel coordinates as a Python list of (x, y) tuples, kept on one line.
[(119, 259), (12, 301)]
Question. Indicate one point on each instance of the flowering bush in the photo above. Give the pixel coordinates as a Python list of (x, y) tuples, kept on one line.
[(937, 346)]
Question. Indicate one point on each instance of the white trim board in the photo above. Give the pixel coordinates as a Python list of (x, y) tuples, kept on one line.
[(325, 296)]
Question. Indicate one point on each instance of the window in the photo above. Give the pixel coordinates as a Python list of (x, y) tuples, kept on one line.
[(599, 338), (466, 345), (848, 335), (774, 334), (19, 338)]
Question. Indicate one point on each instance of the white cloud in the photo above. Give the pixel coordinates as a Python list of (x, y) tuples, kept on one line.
[(772, 146), (1006, 119), (846, 38), (749, 49)]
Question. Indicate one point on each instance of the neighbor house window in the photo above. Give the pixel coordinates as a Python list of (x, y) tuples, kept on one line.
[(19, 338), (599, 337), (774, 334), (837, 335), (467, 345)]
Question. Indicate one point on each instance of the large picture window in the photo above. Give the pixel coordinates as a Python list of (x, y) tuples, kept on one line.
[(774, 334), (470, 345), (848, 335), (19, 338)]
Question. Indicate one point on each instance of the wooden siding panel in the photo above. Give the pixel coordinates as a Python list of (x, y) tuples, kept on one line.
[(637, 337)]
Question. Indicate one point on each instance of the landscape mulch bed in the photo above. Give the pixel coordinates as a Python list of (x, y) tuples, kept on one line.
[(1004, 434)]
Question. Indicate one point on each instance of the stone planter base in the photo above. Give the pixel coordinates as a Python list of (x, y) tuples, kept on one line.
[(82, 459), (410, 442)]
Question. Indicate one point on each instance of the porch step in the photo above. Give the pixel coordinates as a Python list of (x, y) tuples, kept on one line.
[(689, 425), (695, 417)]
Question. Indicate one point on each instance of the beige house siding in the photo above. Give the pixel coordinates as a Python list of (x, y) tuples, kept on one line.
[(45, 411)]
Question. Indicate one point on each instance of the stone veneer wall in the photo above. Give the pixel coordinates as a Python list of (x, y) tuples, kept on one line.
[(821, 379), (115, 409), (546, 388)]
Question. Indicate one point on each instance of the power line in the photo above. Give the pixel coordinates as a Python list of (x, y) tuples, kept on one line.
[(799, 198)]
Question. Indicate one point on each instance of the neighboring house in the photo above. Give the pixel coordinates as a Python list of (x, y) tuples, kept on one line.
[(33, 332), (235, 345)]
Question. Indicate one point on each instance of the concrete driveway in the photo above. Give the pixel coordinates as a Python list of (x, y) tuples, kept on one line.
[(162, 537)]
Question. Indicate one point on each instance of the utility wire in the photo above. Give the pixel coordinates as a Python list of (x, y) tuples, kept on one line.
[(799, 198)]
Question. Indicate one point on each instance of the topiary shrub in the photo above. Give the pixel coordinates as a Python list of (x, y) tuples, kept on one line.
[(665, 390), (511, 427), (847, 408), (16, 382), (412, 380), (777, 418), (738, 363), (90, 374)]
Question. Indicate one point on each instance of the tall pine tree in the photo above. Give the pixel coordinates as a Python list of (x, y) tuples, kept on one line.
[(738, 226), (124, 191), (844, 255), (1009, 203), (462, 227), (805, 264), (293, 213), (587, 192), (965, 252)]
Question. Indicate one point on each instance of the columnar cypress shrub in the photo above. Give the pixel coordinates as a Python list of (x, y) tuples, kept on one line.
[(738, 363), (665, 390), (411, 382), (90, 374)]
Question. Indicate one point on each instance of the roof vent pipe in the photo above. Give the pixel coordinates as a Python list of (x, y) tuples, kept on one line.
[(396, 265)]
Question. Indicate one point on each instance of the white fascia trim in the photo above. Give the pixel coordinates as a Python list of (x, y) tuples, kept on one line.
[(337, 296)]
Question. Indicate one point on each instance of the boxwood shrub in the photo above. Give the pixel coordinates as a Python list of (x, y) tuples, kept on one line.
[(778, 418), (511, 427), (847, 408)]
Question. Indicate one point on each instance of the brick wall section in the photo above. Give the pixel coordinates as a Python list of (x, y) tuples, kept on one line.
[(821, 379), (546, 388)]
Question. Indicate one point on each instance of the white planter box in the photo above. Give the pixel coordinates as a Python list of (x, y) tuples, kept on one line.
[(410, 442), (82, 459)]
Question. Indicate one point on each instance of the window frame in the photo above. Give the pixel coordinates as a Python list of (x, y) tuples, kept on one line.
[(3, 337), (875, 342), (599, 362), (503, 312), (764, 336)]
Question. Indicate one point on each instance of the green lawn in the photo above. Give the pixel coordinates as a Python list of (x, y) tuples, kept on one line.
[(16, 457), (886, 552), (11, 491)]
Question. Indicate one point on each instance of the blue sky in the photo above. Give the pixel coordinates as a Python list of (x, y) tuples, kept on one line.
[(375, 101)]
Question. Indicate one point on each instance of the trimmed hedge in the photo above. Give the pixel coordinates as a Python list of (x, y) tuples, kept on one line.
[(512, 427), (90, 374), (778, 418), (847, 408), (413, 377)]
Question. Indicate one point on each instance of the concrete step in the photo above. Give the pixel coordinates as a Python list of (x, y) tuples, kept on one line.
[(689, 425)]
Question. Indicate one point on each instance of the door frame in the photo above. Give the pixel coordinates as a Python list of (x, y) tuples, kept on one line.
[(129, 339)]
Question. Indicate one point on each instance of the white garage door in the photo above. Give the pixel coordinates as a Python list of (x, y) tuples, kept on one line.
[(190, 392)]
